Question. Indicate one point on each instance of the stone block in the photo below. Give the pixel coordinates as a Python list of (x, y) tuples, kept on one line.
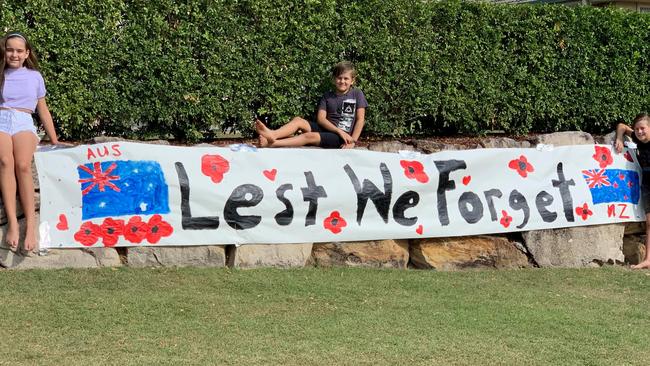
[(35, 178), (457, 253), (503, 142), (565, 138), (429, 147), (577, 246), (607, 139), (105, 139), (634, 248), (156, 142), (634, 228), (199, 256), (105, 257), (61, 258), (379, 253), (270, 255), (389, 146)]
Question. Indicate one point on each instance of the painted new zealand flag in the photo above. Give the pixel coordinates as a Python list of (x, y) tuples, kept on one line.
[(612, 185), (116, 188)]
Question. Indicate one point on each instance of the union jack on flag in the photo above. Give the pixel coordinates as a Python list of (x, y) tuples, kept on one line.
[(596, 178)]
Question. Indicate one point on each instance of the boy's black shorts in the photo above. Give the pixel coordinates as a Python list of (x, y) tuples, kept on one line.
[(328, 140), (645, 196)]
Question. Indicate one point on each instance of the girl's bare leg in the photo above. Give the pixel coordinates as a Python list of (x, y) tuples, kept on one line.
[(646, 261), (8, 188), (24, 144), (288, 130)]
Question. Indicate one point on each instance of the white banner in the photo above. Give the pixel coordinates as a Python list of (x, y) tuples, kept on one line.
[(129, 194)]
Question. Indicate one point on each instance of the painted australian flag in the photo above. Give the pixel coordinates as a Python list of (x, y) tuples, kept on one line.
[(116, 188), (612, 185)]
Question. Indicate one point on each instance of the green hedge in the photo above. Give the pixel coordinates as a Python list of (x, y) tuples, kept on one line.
[(190, 69)]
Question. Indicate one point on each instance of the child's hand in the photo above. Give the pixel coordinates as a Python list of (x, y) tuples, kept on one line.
[(618, 145), (348, 146), (60, 143), (346, 137)]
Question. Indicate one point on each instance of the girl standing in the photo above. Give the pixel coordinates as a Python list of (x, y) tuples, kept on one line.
[(22, 93)]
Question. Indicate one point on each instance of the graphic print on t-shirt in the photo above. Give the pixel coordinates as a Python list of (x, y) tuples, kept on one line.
[(347, 115)]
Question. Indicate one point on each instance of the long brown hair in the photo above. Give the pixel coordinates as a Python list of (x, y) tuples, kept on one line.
[(31, 62)]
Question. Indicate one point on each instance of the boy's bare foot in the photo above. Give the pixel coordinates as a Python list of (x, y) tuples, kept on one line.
[(264, 132), (12, 236), (643, 265)]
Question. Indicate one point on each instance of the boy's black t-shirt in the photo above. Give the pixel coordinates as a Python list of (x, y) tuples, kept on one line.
[(643, 154), (342, 109)]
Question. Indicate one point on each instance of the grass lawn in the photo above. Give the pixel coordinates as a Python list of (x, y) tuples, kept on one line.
[(316, 316)]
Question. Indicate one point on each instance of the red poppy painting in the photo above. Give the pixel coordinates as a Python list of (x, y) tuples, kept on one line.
[(584, 211), (603, 156), (334, 222), (135, 230), (506, 219), (414, 170), (522, 166), (158, 228), (214, 166), (111, 230), (88, 234)]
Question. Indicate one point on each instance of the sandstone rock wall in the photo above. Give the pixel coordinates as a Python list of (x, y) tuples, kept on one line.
[(568, 247)]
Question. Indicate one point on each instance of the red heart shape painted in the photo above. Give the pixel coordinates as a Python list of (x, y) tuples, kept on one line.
[(63, 223), (270, 174), (467, 179), (419, 229)]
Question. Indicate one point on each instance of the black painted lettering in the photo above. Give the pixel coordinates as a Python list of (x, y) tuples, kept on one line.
[(187, 221), (563, 185), (444, 184), (284, 217), (489, 197), (518, 202), (311, 194), (404, 202), (470, 207), (245, 195), (369, 190), (543, 200)]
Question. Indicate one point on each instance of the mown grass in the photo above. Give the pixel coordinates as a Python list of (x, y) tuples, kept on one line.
[(318, 316)]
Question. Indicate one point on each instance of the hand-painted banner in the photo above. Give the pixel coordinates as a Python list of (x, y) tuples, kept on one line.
[(129, 194)]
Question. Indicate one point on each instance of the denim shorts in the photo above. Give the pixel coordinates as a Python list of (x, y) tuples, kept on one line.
[(13, 121)]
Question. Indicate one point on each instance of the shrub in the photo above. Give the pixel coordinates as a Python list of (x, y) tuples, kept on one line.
[(190, 69)]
